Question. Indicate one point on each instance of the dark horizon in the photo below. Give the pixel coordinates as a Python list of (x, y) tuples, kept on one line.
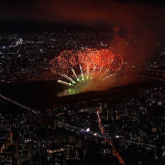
[(31, 26), (38, 16)]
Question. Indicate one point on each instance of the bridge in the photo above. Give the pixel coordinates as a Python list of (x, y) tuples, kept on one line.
[(81, 130), (104, 136), (19, 104)]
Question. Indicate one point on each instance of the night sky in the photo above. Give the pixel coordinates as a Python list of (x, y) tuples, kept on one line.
[(132, 15)]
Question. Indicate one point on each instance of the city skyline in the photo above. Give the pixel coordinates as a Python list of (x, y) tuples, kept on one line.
[(82, 82)]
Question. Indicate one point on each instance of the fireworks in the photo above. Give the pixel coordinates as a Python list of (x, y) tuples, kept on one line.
[(88, 63)]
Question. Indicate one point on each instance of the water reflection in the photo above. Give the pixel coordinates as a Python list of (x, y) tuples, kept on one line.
[(66, 92)]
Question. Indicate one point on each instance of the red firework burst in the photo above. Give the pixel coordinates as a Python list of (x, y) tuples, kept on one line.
[(87, 58), (116, 62)]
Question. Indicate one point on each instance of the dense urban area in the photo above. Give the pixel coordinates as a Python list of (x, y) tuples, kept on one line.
[(124, 126)]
